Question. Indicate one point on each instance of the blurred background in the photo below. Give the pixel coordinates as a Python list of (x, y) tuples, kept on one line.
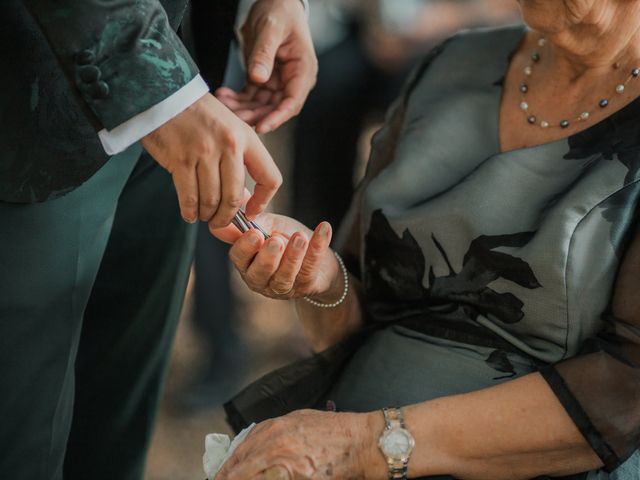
[(229, 336)]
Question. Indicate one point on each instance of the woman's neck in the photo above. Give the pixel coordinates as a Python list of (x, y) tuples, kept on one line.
[(607, 37)]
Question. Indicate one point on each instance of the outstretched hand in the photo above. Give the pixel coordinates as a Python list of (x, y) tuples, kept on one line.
[(295, 262), (281, 65)]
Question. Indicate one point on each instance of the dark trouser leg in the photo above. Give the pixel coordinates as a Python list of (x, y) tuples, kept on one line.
[(49, 256), (128, 330), (215, 320)]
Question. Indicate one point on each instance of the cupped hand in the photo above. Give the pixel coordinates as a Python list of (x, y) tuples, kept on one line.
[(281, 65), (295, 262), (206, 149), (308, 444)]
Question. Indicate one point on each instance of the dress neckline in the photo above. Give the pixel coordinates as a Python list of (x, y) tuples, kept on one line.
[(609, 122)]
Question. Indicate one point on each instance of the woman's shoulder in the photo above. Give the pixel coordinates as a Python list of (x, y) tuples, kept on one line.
[(488, 37), (475, 56)]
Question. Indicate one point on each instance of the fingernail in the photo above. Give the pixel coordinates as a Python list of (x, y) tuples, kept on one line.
[(260, 71), (324, 229), (190, 220), (254, 239), (299, 242), (274, 246)]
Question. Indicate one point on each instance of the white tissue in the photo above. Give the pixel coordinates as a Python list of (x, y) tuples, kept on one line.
[(218, 448)]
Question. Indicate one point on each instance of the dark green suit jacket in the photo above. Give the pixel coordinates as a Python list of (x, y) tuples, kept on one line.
[(73, 67)]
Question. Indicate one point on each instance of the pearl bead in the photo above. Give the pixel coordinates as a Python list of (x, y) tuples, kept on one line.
[(524, 105), (542, 42), (531, 119), (603, 103), (544, 124), (527, 70), (564, 123), (584, 116), (620, 88)]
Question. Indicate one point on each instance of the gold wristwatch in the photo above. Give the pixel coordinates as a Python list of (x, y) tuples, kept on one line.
[(396, 443)]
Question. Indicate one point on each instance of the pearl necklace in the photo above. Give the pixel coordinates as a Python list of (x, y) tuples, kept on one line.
[(584, 116)]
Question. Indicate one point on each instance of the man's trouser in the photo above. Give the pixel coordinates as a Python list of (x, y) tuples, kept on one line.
[(91, 286)]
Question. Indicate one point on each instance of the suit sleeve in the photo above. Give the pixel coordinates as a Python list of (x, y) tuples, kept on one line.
[(122, 56)]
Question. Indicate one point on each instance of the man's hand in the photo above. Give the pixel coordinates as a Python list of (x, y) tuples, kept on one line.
[(281, 65), (205, 148)]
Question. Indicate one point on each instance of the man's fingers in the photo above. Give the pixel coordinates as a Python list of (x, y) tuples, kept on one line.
[(186, 185), (296, 90), (252, 117), (232, 189), (208, 189), (288, 108), (262, 57), (235, 104), (264, 171)]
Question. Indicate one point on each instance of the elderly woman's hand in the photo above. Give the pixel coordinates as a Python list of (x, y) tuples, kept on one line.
[(295, 262), (309, 444)]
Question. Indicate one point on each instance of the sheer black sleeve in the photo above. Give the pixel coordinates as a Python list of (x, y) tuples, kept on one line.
[(600, 388)]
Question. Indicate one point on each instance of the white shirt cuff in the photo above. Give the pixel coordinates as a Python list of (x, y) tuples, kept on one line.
[(126, 134)]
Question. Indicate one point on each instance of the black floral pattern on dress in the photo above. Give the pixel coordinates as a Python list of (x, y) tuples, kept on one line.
[(396, 268), (498, 360)]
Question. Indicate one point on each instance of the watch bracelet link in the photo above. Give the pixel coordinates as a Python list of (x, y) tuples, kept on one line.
[(399, 472), (393, 415), (398, 469)]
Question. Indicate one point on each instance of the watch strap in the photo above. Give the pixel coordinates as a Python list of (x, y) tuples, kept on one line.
[(398, 471), (393, 418)]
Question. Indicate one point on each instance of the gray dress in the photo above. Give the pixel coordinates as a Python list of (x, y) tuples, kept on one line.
[(517, 249), (479, 266)]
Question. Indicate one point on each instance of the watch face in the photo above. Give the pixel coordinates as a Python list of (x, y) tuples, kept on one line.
[(397, 443)]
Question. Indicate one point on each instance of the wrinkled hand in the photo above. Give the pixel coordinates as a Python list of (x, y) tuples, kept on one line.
[(206, 149), (308, 444), (281, 65), (295, 262)]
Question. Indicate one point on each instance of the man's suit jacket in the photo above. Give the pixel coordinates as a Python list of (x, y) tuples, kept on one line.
[(73, 67)]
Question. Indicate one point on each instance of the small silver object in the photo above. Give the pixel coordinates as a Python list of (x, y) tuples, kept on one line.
[(243, 224)]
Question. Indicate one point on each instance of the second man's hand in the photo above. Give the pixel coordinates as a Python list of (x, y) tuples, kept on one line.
[(206, 149), (281, 65)]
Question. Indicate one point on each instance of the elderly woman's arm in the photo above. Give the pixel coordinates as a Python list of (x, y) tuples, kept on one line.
[(517, 430), (576, 415)]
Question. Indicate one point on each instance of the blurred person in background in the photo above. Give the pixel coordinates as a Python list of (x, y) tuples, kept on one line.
[(365, 50)]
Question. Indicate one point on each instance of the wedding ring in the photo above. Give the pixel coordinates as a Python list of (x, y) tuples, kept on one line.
[(286, 292)]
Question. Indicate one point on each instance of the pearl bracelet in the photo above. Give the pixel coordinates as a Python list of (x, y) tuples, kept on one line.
[(345, 275)]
